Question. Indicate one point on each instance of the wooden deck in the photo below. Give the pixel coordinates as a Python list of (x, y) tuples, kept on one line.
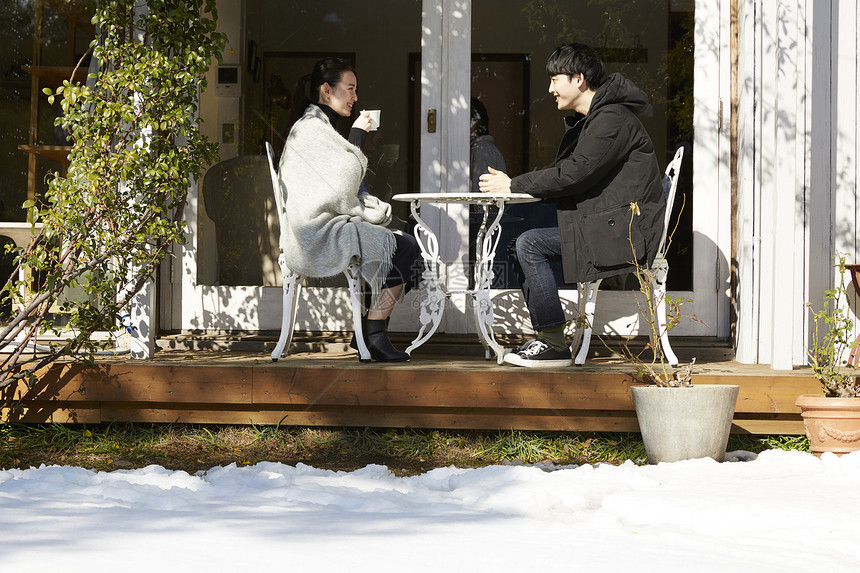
[(443, 387)]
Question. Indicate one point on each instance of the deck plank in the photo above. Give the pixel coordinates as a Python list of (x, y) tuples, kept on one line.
[(334, 389)]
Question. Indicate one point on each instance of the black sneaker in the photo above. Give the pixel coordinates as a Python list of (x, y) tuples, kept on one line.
[(524, 345), (538, 353)]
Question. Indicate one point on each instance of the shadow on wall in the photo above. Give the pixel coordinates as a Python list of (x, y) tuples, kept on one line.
[(318, 309)]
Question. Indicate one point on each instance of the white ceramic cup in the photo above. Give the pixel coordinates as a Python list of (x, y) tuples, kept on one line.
[(374, 119)]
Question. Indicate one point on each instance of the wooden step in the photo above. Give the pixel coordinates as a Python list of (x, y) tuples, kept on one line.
[(334, 389)]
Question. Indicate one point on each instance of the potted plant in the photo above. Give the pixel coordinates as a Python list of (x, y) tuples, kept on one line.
[(832, 419), (678, 420)]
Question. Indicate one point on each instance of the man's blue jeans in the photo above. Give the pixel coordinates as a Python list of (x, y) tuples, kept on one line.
[(535, 250)]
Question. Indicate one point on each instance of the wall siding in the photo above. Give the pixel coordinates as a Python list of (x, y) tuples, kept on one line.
[(797, 173)]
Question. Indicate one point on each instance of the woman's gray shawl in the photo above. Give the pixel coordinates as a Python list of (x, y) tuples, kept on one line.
[(327, 225)]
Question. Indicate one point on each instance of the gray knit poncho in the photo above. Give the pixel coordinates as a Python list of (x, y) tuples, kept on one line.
[(326, 224)]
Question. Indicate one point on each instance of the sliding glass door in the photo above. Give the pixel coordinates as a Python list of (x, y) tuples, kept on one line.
[(427, 64)]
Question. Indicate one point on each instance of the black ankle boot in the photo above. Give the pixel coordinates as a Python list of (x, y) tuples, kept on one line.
[(376, 336)]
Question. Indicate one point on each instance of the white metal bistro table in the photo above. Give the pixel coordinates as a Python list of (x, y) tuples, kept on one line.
[(433, 304)]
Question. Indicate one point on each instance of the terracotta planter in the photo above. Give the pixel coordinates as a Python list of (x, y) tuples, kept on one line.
[(685, 423), (832, 424)]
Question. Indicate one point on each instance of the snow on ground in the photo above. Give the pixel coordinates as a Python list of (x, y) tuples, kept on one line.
[(783, 511)]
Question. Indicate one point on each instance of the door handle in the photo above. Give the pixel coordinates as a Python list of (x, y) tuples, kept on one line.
[(431, 121)]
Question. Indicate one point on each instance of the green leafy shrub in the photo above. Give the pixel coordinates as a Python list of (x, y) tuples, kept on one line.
[(107, 224), (832, 337)]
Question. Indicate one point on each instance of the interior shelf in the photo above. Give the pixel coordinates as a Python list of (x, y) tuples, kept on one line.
[(56, 75), (56, 152)]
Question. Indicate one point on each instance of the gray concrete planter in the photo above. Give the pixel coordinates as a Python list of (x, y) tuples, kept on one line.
[(685, 423)]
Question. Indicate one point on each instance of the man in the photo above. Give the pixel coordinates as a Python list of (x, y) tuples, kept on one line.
[(605, 163)]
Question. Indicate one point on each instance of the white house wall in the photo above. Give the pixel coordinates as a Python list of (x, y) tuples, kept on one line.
[(844, 208), (747, 228), (846, 32), (797, 180)]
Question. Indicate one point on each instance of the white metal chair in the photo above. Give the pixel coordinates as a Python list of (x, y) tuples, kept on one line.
[(293, 280), (660, 269)]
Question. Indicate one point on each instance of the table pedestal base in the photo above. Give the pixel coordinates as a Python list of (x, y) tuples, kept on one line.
[(487, 240)]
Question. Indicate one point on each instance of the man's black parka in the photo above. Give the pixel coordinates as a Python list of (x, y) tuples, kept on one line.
[(605, 162)]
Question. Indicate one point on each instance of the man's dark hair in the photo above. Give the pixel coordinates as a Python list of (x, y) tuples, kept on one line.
[(572, 59)]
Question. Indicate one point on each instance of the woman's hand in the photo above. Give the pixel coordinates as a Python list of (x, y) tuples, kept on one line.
[(494, 182), (363, 121)]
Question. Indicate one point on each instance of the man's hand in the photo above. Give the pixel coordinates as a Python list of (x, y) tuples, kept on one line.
[(494, 182)]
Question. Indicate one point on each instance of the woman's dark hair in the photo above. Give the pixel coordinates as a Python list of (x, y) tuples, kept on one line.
[(326, 71), (574, 59), (480, 117)]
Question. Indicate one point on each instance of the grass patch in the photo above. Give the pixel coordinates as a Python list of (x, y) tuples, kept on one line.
[(405, 451), (760, 443)]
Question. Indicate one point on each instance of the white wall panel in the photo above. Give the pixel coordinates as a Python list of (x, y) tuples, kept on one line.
[(797, 167), (748, 236)]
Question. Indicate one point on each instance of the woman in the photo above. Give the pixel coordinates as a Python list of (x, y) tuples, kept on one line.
[(331, 220)]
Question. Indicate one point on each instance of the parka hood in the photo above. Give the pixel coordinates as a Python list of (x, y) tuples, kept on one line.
[(617, 89)]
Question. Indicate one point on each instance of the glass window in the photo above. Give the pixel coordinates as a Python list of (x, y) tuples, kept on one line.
[(280, 43), (650, 42), (40, 42), (16, 52)]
